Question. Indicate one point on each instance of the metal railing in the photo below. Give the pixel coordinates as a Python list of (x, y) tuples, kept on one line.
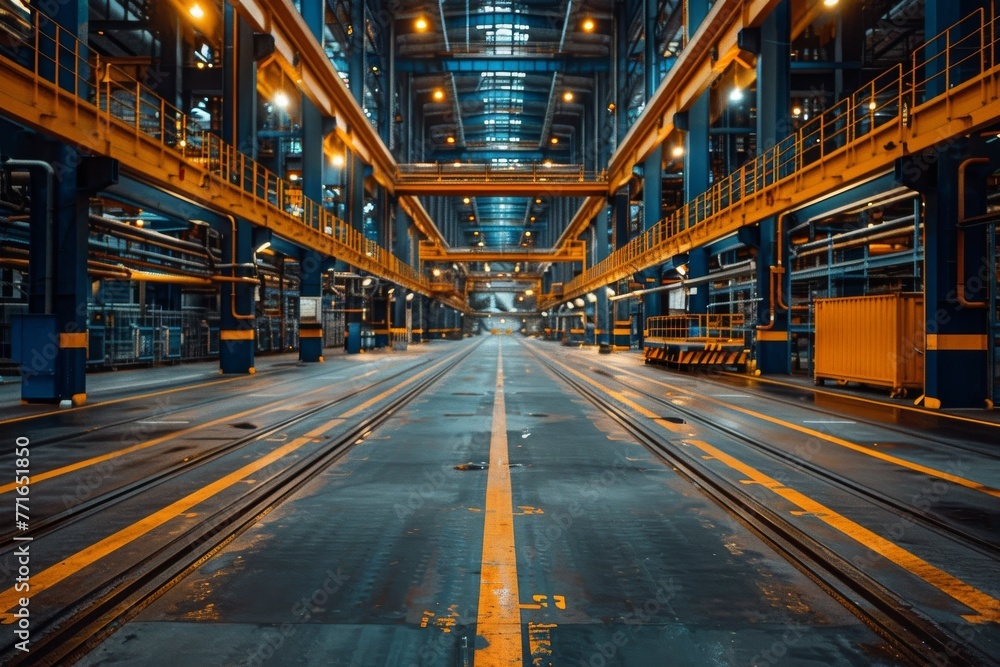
[(863, 124), (715, 327), (489, 173), (56, 58)]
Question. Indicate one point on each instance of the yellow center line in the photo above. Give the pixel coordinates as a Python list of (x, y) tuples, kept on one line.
[(114, 401), (71, 565), (986, 607), (80, 465), (888, 458), (499, 618)]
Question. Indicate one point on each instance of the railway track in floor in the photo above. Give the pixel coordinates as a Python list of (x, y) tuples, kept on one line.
[(90, 506), (941, 525), (912, 634), (70, 633)]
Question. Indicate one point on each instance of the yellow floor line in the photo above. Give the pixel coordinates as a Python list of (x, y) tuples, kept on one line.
[(71, 565), (987, 608), (80, 465), (90, 555), (862, 399), (499, 618), (624, 400), (139, 397), (867, 451)]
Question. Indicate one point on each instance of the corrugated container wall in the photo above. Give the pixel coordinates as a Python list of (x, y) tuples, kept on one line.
[(877, 340)]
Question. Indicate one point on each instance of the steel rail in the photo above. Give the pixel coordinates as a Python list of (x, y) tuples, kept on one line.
[(67, 636), (909, 632)]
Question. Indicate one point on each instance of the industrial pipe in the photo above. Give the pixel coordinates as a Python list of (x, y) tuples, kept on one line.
[(49, 220)]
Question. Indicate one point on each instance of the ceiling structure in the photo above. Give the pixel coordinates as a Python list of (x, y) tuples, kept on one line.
[(489, 85)]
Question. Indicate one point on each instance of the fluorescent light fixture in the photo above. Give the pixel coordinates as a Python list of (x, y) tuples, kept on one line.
[(263, 246)]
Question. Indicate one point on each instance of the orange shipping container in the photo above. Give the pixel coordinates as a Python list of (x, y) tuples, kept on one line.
[(877, 340)]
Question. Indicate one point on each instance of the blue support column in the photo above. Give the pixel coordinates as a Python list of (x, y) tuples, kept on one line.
[(237, 308), (773, 97), (236, 333), (697, 297), (953, 181), (311, 286), (605, 323), (311, 266), (50, 342)]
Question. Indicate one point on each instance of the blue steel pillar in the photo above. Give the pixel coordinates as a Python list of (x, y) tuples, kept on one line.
[(773, 96), (51, 341), (697, 298), (311, 327), (605, 323), (311, 330), (402, 248), (236, 332), (652, 168), (958, 271)]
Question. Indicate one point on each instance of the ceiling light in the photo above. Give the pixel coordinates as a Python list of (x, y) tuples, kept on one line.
[(589, 25), (200, 65), (532, 219), (591, 297), (466, 200), (457, 163), (796, 111), (196, 11), (830, 3), (421, 24), (872, 105), (450, 140), (528, 234), (366, 282), (547, 163), (736, 95), (554, 140), (538, 201), (568, 96), (678, 151), (579, 301), (486, 267), (438, 94), (472, 217), (480, 244), (409, 297), (436, 272), (569, 304), (281, 99), (609, 291)]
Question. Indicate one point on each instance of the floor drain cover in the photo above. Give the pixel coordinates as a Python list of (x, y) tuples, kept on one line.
[(472, 466)]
